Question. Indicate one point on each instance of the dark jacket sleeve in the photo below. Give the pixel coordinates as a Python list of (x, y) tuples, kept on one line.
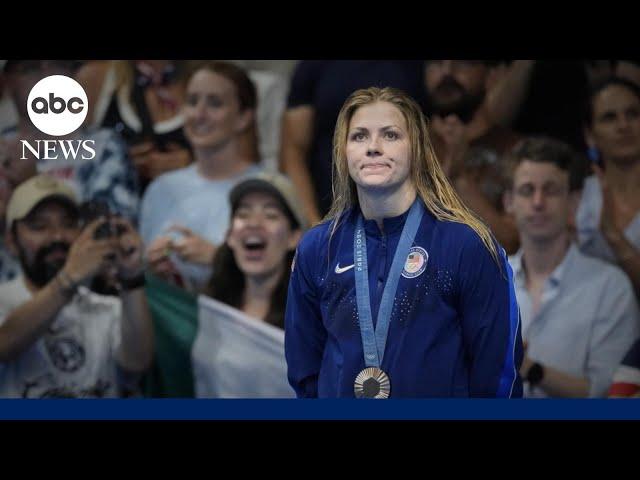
[(490, 322), (305, 335)]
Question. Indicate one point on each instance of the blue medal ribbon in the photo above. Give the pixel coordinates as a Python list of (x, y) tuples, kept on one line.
[(375, 340)]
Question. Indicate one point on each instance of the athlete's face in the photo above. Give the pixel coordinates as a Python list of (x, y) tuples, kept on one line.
[(261, 235), (540, 200), (378, 147)]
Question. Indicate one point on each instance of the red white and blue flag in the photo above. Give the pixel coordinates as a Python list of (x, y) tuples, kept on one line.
[(626, 380)]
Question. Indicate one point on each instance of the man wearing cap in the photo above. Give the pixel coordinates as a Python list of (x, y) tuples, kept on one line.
[(57, 338)]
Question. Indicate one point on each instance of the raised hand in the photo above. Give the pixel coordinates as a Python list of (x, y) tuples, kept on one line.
[(192, 247), (88, 255), (129, 259), (158, 258), (610, 209)]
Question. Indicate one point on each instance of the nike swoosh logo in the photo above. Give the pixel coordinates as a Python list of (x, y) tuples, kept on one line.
[(343, 269)]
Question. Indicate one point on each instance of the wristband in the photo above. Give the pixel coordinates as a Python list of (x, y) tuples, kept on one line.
[(66, 285), (535, 374)]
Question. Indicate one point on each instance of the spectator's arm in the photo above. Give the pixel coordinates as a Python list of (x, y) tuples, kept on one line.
[(297, 135), (627, 254), (24, 325), (136, 347), (628, 258), (558, 384), (91, 76), (175, 157), (135, 353), (507, 96), (272, 99)]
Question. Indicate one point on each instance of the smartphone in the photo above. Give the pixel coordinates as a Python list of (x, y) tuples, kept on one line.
[(91, 210)]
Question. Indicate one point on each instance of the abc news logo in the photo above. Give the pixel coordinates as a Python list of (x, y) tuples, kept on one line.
[(57, 106)]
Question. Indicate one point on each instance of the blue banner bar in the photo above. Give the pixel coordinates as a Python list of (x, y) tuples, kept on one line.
[(189, 409)]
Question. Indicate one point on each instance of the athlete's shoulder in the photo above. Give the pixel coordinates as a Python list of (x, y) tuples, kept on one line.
[(319, 236), (311, 250), (313, 239), (457, 236), (316, 235), (462, 249)]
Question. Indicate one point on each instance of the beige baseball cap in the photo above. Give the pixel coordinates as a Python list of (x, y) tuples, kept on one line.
[(274, 183), (30, 193)]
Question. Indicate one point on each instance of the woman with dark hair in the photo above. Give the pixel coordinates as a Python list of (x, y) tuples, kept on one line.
[(251, 269), (608, 217), (185, 213), (402, 291)]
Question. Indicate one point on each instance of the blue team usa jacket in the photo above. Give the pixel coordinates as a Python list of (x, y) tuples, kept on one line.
[(454, 329)]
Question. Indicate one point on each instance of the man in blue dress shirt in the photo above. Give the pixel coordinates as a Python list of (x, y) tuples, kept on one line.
[(579, 314)]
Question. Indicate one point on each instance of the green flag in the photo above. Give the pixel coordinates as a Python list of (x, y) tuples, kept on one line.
[(175, 319), (205, 348)]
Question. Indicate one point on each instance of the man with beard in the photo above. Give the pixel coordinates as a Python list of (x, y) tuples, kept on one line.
[(469, 145), (57, 338)]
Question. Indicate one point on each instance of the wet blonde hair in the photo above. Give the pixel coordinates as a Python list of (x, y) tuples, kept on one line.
[(427, 176)]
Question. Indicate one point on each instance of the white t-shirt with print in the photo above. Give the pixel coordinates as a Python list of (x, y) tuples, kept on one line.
[(76, 357)]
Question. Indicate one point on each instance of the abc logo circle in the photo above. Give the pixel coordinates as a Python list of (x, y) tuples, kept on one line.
[(57, 105)]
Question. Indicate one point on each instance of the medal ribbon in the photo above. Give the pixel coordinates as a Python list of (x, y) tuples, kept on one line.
[(374, 340)]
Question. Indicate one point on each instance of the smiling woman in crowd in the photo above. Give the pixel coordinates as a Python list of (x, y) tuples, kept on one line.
[(185, 213), (251, 269)]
